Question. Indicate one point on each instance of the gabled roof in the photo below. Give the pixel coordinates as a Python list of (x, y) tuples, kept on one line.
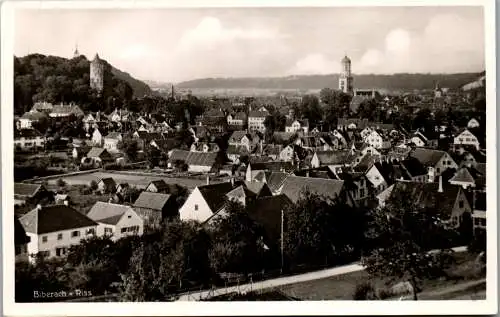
[(463, 175), (237, 150), (273, 179), (159, 184), (257, 188), (293, 186), (178, 155), (240, 192), (238, 135), (107, 212), (155, 201), (414, 167), (97, 152), (54, 218), (258, 114), (427, 195), (334, 157), (272, 166), (34, 115), (26, 190), (427, 157), (202, 158), (20, 236), (108, 181), (283, 136), (215, 194)]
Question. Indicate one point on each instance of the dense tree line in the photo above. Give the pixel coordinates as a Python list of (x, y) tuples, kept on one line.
[(55, 79)]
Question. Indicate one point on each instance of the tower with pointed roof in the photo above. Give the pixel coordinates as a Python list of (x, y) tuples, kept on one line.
[(97, 74), (76, 53), (345, 79)]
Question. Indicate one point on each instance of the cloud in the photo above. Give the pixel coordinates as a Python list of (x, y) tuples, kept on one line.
[(315, 63)]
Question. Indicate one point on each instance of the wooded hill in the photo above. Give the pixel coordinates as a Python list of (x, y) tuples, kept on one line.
[(402, 81)]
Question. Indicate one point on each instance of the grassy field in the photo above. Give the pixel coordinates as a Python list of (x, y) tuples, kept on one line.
[(341, 287), (140, 181)]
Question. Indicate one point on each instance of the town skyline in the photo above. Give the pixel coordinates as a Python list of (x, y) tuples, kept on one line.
[(264, 42)]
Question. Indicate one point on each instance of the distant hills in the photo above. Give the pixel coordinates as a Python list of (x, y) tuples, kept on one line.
[(139, 87), (401, 81)]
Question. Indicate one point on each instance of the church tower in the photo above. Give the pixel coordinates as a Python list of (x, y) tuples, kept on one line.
[(76, 53), (345, 80), (97, 74)]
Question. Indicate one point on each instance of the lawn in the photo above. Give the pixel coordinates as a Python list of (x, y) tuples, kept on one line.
[(341, 287)]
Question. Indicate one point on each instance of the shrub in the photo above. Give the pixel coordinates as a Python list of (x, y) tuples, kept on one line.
[(61, 182), (364, 291), (384, 293)]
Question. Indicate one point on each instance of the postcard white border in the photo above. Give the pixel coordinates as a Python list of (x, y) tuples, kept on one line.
[(488, 306)]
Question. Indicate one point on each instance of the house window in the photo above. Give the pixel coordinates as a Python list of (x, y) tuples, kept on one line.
[(196, 207), (75, 234), (59, 236), (91, 231), (130, 229), (438, 170), (108, 230), (461, 204), (60, 251), (44, 239), (482, 222)]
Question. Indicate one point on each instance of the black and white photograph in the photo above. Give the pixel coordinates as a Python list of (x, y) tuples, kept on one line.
[(336, 153)]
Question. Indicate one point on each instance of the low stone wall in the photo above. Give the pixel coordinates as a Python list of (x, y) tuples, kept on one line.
[(41, 179)]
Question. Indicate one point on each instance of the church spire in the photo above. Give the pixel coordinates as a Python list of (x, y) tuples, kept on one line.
[(76, 53)]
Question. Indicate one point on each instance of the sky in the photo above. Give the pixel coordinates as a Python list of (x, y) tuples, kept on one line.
[(178, 44)]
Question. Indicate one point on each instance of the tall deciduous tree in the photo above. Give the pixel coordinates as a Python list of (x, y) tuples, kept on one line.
[(404, 233)]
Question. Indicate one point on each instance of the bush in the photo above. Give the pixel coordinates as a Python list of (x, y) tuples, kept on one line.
[(364, 291), (384, 293), (61, 182)]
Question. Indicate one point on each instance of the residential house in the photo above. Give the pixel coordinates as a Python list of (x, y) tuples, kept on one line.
[(466, 138), (294, 186), (344, 124), (287, 153), (234, 152), (106, 185), (204, 147), (378, 140), (435, 161), (201, 162), (122, 187), (468, 177), (256, 120), (29, 118), (42, 107), (283, 137), (117, 221), (21, 240), (357, 185), (272, 150), (331, 158), (97, 157), (244, 139), (297, 126), (155, 207), (479, 211), (88, 122), (205, 201), (97, 139), (237, 120), (28, 139), (111, 141), (177, 157), (30, 193), (450, 200), (66, 110), (157, 186), (420, 140), (54, 229), (254, 168)]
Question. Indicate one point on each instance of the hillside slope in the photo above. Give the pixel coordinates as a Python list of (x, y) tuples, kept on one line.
[(401, 81)]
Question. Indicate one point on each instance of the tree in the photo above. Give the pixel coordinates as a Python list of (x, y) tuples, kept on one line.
[(404, 233), (336, 105), (310, 109), (237, 242), (61, 182), (93, 185), (321, 231), (368, 109), (130, 147)]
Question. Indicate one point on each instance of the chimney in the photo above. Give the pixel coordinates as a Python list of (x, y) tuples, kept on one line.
[(440, 188), (208, 179)]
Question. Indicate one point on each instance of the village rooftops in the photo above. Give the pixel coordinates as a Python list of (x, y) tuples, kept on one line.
[(294, 186), (54, 218), (258, 114), (26, 190), (27, 133), (427, 157), (215, 194), (154, 201), (107, 212)]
